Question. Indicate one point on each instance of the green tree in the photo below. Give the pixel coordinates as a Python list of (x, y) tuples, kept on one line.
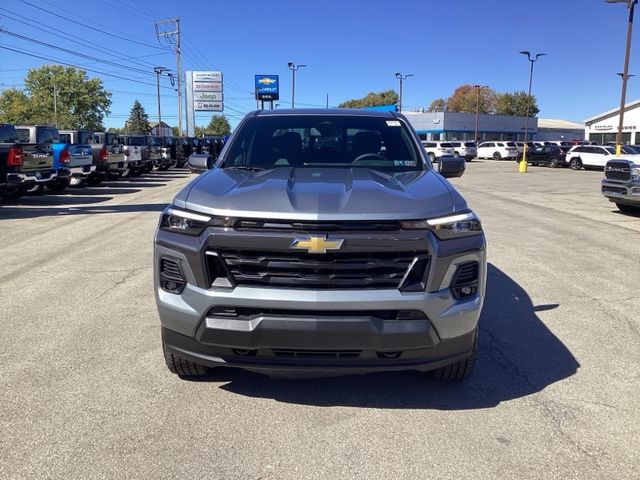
[(438, 105), (117, 130), (138, 122), (372, 99), (175, 132), (55, 94), (465, 99), (219, 125), (516, 104), (15, 107)]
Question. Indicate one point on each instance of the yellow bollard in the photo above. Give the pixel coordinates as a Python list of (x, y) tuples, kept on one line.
[(522, 164), (618, 149)]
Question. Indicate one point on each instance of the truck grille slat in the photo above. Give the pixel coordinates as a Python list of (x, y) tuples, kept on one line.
[(617, 171), (331, 270)]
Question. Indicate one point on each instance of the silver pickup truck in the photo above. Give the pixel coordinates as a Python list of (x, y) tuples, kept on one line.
[(621, 183), (135, 152), (322, 242)]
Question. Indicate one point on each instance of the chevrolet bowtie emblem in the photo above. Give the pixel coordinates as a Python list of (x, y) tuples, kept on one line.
[(317, 244)]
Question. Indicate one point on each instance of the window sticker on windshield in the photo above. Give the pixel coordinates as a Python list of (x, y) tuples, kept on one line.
[(405, 163), (393, 123)]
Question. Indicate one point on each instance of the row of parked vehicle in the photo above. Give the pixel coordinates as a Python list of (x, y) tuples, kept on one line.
[(35, 157), (558, 153)]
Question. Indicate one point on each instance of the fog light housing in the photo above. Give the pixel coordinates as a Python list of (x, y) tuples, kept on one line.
[(171, 278), (465, 281)]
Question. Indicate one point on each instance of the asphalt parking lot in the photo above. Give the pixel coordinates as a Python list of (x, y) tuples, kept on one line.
[(85, 392)]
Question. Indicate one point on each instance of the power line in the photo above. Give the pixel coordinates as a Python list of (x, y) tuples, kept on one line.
[(110, 51), (78, 54), (75, 22), (76, 66)]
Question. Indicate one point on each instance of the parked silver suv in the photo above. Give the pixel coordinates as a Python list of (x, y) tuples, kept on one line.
[(324, 241)]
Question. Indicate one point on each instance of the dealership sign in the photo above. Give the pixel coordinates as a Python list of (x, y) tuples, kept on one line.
[(204, 94), (267, 87), (207, 96), (207, 77), (207, 87)]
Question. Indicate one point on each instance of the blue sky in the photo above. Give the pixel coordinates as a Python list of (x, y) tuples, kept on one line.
[(351, 47)]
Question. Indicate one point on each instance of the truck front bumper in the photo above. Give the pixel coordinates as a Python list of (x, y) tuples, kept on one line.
[(627, 193), (280, 330)]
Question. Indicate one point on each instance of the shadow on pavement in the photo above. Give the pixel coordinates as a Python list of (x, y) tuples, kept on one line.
[(7, 212), (518, 355)]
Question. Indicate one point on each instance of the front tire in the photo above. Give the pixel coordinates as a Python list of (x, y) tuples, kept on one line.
[(183, 367), (458, 371), (576, 163), (497, 156)]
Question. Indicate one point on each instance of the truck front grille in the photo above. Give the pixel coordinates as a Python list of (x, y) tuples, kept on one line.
[(343, 270), (617, 171)]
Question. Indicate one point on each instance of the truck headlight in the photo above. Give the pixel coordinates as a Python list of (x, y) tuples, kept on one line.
[(190, 223), (635, 173), (452, 226)]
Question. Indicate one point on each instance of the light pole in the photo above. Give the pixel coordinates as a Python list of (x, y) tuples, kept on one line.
[(402, 78), (522, 165), (159, 71), (625, 75), (294, 68), (478, 88)]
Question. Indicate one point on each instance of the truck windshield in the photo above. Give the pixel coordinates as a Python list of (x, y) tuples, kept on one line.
[(312, 141)]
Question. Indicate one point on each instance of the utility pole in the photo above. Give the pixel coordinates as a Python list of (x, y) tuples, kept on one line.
[(401, 77), (294, 68), (631, 4), (159, 71), (522, 165), (55, 103), (478, 88), (173, 38)]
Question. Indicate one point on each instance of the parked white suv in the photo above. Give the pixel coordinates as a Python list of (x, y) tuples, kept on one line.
[(589, 156), (498, 150), (435, 150), (468, 150)]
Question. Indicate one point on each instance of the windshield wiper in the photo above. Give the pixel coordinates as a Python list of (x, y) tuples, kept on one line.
[(249, 168)]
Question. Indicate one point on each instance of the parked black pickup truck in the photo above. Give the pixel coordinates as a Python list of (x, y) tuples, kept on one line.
[(548, 155), (22, 166)]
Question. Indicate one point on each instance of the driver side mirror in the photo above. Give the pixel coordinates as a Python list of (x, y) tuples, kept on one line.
[(200, 162), (450, 167)]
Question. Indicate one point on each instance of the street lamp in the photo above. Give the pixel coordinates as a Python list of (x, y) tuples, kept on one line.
[(625, 75), (522, 165), (478, 88), (401, 77), (159, 71), (294, 68)]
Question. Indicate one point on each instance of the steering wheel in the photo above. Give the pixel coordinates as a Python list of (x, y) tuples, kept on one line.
[(374, 156)]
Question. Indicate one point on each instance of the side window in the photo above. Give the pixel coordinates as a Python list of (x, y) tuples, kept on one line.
[(65, 138)]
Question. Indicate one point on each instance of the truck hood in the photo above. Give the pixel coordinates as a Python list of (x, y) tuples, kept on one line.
[(321, 194)]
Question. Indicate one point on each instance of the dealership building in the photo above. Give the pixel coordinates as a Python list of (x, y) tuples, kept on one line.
[(603, 127), (461, 126)]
